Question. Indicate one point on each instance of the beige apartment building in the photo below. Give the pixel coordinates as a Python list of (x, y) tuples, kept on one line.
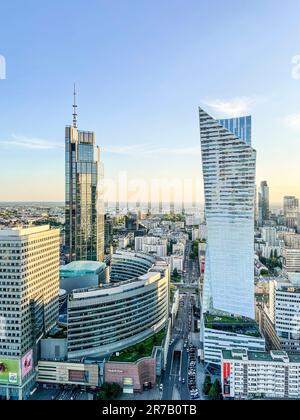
[(29, 301)]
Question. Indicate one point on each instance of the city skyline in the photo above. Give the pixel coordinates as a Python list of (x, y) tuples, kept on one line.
[(142, 105)]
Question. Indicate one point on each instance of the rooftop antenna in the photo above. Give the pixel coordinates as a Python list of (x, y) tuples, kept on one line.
[(75, 108)]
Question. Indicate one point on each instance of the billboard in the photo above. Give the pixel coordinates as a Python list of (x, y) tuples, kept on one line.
[(27, 363), (9, 372), (226, 379)]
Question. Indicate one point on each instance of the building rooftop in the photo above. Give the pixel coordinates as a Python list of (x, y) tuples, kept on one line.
[(273, 356), (81, 268), (23, 231), (233, 324)]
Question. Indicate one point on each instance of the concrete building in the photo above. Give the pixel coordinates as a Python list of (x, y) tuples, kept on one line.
[(290, 206), (152, 245), (81, 274), (251, 375), (177, 262), (291, 260), (263, 203), (68, 373), (113, 317), (225, 332), (29, 302), (126, 265), (284, 312)]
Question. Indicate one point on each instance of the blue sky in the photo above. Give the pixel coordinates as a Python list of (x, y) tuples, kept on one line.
[(142, 67)]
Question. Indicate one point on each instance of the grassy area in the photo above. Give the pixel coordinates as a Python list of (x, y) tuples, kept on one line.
[(176, 279), (228, 323), (224, 319), (134, 353)]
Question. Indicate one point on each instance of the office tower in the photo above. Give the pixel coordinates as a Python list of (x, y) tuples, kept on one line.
[(290, 206), (284, 311), (229, 165), (84, 195), (263, 203), (183, 208), (160, 205), (291, 211), (241, 127), (108, 233), (29, 278), (255, 208), (172, 207), (117, 207)]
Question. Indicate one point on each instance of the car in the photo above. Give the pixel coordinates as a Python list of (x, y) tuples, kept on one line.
[(161, 387), (183, 381)]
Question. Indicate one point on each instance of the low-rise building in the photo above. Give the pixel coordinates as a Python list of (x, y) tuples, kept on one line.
[(253, 375), (227, 332)]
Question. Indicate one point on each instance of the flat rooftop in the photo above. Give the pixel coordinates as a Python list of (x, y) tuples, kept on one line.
[(272, 357), (233, 324), (23, 231), (81, 268)]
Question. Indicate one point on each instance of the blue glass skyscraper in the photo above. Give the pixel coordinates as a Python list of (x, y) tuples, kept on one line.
[(84, 233)]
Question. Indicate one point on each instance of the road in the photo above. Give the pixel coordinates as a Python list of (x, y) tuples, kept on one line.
[(178, 359)]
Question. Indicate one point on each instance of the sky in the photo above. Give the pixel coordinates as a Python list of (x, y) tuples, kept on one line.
[(142, 68)]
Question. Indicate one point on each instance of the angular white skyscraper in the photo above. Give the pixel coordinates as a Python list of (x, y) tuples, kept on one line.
[(229, 167)]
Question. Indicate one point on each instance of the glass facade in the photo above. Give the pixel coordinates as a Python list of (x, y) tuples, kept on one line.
[(84, 197), (240, 127), (229, 167)]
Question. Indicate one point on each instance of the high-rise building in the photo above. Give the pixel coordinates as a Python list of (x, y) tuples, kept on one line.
[(84, 195), (229, 165), (284, 311), (291, 206), (29, 307), (263, 203)]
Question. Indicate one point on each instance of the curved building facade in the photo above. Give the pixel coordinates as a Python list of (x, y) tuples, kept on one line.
[(108, 319), (126, 265)]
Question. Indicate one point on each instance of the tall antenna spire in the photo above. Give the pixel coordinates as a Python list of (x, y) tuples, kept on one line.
[(75, 108)]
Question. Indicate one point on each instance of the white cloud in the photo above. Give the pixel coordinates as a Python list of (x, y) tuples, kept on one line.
[(293, 121), (30, 143), (236, 107)]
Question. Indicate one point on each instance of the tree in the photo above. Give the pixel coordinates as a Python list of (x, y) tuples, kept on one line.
[(215, 391), (207, 385), (264, 272), (218, 387), (175, 273), (109, 392), (141, 348)]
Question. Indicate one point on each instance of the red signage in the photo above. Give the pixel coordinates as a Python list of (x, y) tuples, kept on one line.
[(226, 378)]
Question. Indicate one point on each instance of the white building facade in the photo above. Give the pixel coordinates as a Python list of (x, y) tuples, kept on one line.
[(29, 301), (229, 166), (250, 375)]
